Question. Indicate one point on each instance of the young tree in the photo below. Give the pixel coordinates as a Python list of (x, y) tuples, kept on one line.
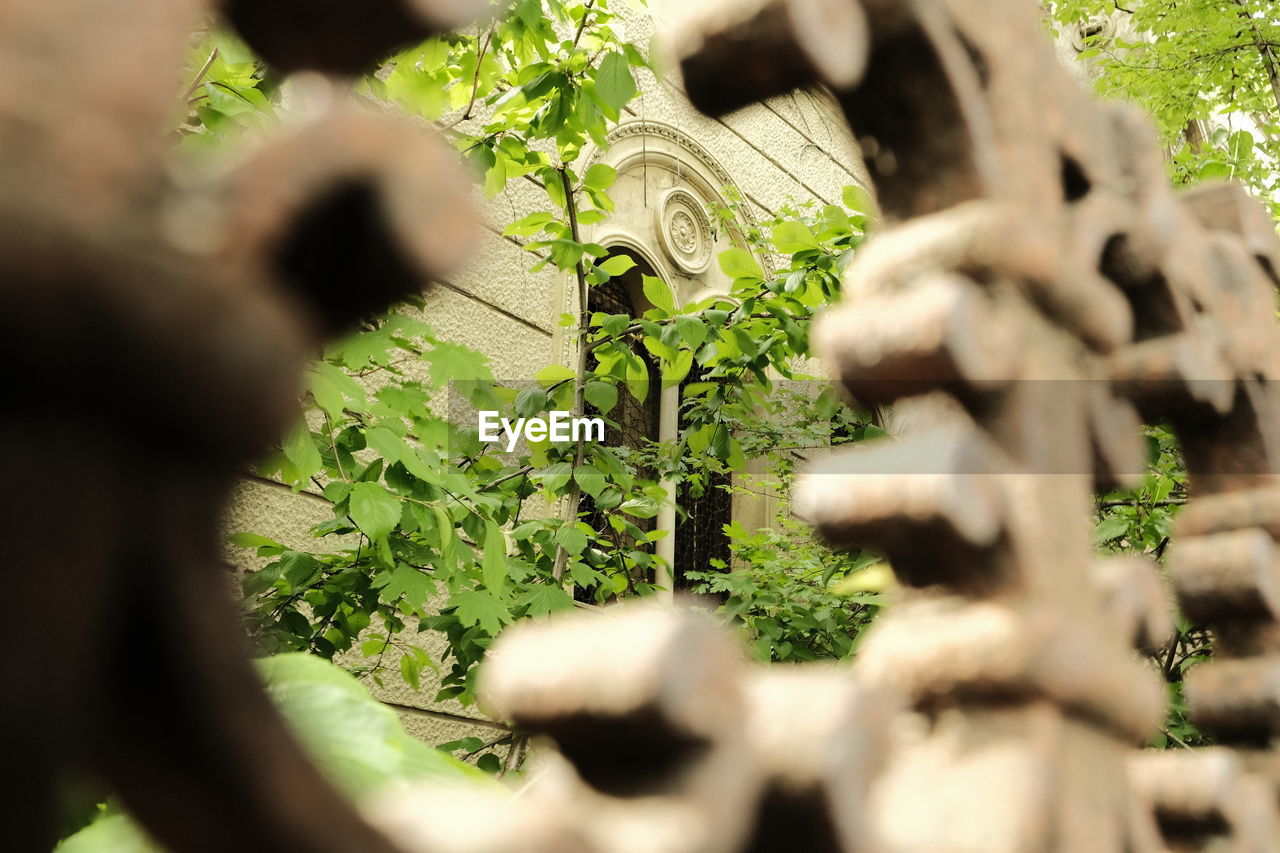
[(1208, 71), (456, 537)]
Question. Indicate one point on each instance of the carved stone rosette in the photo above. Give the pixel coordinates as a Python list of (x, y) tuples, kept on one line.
[(684, 230)]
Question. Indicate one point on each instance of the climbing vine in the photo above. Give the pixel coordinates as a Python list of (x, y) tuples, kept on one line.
[(434, 530)]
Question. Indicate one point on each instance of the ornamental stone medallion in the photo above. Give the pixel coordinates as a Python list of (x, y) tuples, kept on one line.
[(684, 230), (1096, 26)]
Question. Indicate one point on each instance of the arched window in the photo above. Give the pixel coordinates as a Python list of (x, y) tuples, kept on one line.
[(636, 420), (697, 536), (707, 507), (632, 422)]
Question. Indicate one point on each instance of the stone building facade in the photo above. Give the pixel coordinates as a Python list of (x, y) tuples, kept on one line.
[(674, 166)]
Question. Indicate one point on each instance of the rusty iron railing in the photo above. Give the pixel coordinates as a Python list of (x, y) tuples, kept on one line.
[(1037, 293)]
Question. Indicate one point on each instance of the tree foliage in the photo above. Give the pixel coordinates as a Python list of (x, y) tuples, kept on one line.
[(1208, 71), (434, 530), (356, 741)]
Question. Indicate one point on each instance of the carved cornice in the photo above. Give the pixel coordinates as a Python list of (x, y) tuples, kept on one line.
[(699, 158)]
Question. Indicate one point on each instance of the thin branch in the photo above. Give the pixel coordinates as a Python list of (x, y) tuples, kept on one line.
[(195, 84), (475, 80), (490, 745), (579, 384), (1266, 51), (582, 25)]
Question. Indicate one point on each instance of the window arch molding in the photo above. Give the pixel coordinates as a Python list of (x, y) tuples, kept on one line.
[(666, 182)]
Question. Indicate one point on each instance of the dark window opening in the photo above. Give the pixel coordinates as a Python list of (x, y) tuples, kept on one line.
[(708, 507), (630, 424)]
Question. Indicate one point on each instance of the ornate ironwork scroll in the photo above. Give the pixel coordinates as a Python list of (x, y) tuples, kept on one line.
[(143, 374), (1037, 293)]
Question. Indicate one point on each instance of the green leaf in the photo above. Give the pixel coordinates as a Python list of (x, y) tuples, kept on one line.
[(1215, 170), (637, 377), (530, 402), (675, 371), (466, 744), (495, 178), (616, 265), (452, 362), (374, 510), (359, 742), (615, 324), (600, 177), (299, 570), (543, 599), (591, 479), (109, 834), (527, 530), (494, 561), (614, 84), (553, 373), (692, 330), (716, 317), (856, 198), (480, 607), (414, 585), (529, 225), (603, 396), (386, 443), (659, 349), (444, 525), (738, 263), (327, 395), (1240, 145), (792, 237), (409, 671), (571, 539), (300, 450), (253, 540), (659, 294), (1110, 528), (555, 477)]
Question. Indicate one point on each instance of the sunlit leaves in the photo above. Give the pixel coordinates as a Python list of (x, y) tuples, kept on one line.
[(791, 237), (529, 225), (480, 607), (431, 523), (544, 599), (571, 538), (602, 396), (590, 479), (738, 263), (617, 265), (405, 582), (494, 561), (599, 177), (453, 362), (301, 451), (615, 86), (659, 294), (374, 510), (1195, 64)]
